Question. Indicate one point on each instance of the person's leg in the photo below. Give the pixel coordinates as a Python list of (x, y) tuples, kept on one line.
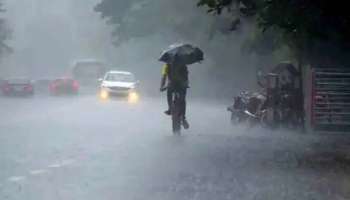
[(183, 93), (169, 100)]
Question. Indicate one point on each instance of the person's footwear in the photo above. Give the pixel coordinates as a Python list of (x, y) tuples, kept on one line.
[(185, 124), (167, 112)]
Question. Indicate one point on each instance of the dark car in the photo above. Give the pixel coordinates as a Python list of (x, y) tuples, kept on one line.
[(20, 86), (63, 86), (88, 71)]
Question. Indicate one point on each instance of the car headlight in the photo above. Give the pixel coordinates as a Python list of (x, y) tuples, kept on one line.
[(104, 94), (133, 97)]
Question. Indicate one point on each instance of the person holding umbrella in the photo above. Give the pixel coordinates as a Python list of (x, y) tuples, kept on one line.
[(175, 73), (175, 77)]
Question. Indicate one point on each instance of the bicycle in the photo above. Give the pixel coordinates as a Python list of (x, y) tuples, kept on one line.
[(177, 116)]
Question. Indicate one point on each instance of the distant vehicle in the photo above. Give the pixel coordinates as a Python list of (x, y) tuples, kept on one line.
[(119, 83), (19, 86), (87, 72), (63, 86), (42, 85)]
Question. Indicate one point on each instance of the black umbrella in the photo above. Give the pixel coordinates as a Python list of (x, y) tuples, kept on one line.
[(184, 53)]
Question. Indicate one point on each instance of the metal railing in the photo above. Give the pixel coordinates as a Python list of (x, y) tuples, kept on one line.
[(330, 104)]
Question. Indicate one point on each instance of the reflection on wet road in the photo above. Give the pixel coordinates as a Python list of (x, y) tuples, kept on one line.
[(82, 148)]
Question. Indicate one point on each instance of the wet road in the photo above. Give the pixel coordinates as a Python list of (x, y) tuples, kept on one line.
[(79, 148)]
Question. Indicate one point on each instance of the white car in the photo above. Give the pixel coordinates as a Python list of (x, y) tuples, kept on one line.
[(119, 83)]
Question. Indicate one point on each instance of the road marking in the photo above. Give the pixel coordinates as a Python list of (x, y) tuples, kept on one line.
[(54, 166), (67, 162), (42, 171), (38, 172), (62, 163), (16, 178)]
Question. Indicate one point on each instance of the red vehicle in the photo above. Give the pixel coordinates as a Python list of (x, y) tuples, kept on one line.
[(64, 86), (22, 87)]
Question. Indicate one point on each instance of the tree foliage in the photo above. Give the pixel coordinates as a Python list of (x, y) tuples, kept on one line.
[(138, 18), (5, 34), (308, 27)]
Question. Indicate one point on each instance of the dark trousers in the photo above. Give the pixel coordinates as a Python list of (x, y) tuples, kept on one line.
[(182, 92)]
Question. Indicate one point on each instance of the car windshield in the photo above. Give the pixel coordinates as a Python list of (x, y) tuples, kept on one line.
[(18, 81), (120, 77)]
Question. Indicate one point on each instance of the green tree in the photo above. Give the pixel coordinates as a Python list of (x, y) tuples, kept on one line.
[(140, 18), (5, 34), (316, 31)]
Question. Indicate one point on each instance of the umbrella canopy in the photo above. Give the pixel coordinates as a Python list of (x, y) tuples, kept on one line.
[(183, 53)]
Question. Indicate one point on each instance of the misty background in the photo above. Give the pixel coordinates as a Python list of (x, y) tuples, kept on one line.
[(47, 36), (83, 147)]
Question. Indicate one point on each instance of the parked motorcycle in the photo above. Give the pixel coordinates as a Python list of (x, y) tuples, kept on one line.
[(248, 107)]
